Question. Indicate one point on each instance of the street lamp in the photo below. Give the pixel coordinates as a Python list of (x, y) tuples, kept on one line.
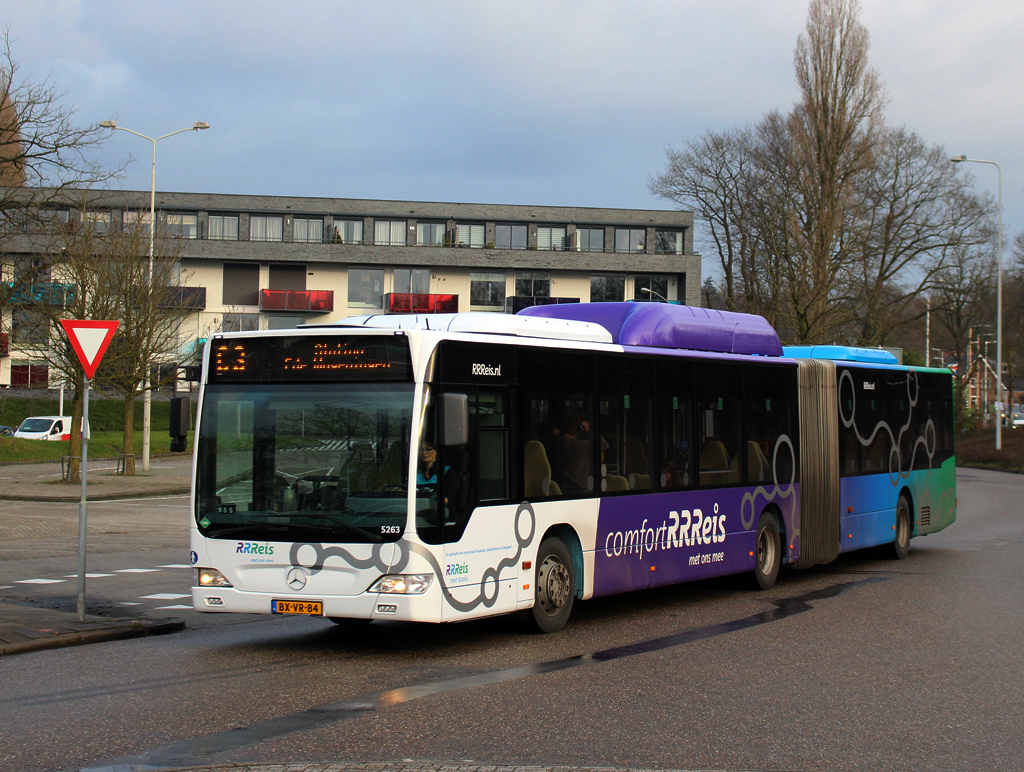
[(655, 294), (999, 300), (147, 396)]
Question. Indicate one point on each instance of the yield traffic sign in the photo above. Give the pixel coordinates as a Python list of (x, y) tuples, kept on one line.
[(89, 339)]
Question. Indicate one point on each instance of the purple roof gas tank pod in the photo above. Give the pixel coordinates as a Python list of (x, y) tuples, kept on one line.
[(670, 326)]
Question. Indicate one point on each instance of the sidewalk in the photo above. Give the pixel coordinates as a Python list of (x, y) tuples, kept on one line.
[(25, 627), (41, 481)]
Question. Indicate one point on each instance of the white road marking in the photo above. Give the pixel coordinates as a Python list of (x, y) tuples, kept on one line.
[(136, 570), (87, 576), (166, 596), (39, 581), (177, 565), (174, 607)]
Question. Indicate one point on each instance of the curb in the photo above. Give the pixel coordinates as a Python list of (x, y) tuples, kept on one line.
[(148, 494), (131, 629)]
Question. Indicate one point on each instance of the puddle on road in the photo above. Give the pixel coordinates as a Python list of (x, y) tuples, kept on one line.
[(200, 750)]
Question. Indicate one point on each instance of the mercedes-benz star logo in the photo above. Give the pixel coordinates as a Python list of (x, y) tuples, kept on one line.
[(296, 579)]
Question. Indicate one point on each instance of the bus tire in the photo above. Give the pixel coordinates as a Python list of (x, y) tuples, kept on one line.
[(900, 545), (767, 553), (554, 586)]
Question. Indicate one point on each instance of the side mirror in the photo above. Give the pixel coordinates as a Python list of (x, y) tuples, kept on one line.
[(454, 419), (181, 413)]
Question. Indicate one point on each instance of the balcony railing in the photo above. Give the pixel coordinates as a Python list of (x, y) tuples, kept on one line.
[(185, 298), (417, 303), (37, 293), (307, 301)]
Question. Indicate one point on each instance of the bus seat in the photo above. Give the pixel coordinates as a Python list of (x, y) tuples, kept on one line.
[(616, 482), (758, 468), (636, 457), (639, 482), (714, 460), (537, 482)]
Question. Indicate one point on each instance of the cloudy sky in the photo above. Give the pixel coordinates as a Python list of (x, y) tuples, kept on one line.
[(559, 102)]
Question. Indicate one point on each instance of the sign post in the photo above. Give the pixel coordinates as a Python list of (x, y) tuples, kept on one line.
[(89, 339)]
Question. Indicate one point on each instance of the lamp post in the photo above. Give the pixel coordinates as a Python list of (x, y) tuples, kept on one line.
[(147, 396), (654, 294), (999, 300)]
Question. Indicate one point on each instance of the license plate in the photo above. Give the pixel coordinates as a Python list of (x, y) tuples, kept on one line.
[(309, 607)]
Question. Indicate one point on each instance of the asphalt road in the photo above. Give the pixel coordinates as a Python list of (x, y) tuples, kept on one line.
[(860, 665)]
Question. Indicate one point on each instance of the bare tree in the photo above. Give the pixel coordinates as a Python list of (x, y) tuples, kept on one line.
[(709, 177), (915, 209), (43, 151), (834, 129), (151, 305), (961, 302)]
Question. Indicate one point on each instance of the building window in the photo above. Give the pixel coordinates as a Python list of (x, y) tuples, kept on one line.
[(415, 280), (533, 284), (182, 226), (470, 235), (30, 269), (590, 239), (669, 242), (97, 222), (135, 221), (487, 292), (657, 286), (275, 322), (607, 289), (223, 227), (430, 234), (510, 236), (630, 239), (348, 231), (308, 231), (389, 233), (287, 277), (241, 284), (29, 328), (551, 238), (234, 322), (266, 228), (365, 288)]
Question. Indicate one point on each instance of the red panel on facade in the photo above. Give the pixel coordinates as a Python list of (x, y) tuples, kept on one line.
[(415, 303), (316, 301)]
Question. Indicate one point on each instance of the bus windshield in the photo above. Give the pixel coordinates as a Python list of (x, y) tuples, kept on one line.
[(304, 462)]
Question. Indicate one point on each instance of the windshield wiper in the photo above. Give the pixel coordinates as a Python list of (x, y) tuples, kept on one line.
[(248, 526), (374, 537)]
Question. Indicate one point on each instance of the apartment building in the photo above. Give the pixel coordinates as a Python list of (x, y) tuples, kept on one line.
[(275, 262)]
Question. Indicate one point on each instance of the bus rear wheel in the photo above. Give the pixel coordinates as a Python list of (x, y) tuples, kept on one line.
[(554, 587), (767, 553), (900, 545)]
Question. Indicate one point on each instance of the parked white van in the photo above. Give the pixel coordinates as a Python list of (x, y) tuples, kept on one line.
[(45, 427)]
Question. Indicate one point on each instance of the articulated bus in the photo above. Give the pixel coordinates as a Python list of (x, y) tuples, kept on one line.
[(440, 468)]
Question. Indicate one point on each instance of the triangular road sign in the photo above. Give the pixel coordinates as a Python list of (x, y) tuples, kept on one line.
[(89, 339)]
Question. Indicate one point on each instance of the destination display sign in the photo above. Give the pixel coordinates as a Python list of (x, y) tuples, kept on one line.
[(297, 359)]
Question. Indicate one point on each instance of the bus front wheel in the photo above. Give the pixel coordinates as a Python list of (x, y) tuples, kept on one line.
[(767, 553), (554, 587)]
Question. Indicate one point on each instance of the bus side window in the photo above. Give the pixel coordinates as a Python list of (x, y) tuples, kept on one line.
[(719, 387)]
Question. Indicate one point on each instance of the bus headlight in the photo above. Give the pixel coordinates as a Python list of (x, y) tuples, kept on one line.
[(209, 577), (403, 584)]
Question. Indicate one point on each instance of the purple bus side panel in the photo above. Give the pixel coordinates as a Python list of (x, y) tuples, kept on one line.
[(667, 538)]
